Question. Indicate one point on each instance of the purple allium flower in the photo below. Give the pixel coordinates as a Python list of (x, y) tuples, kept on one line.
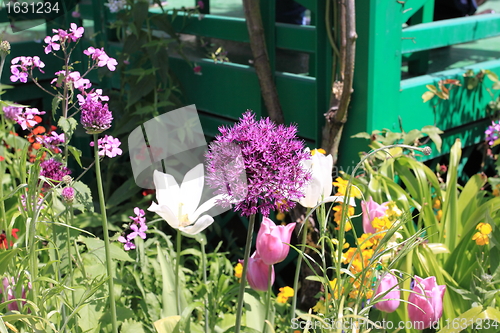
[(68, 194), (271, 157), (493, 132), (12, 112), (108, 146), (95, 117), (53, 170)]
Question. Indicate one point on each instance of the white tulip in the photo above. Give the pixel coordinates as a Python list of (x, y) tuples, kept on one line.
[(179, 205), (320, 185)]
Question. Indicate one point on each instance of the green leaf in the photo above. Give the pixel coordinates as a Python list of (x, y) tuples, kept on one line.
[(68, 125), (410, 137), (96, 247), (124, 192), (255, 311), (55, 104), (168, 324), (77, 153), (362, 135), (83, 197), (427, 96), (433, 132), (131, 326), (6, 257)]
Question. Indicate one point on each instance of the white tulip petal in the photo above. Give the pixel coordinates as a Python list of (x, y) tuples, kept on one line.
[(165, 213), (192, 189), (201, 224), (312, 193), (167, 190), (204, 207)]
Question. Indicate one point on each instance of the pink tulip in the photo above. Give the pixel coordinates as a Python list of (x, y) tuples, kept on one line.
[(9, 290), (371, 210), (271, 239), (427, 296), (258, 273), (388, 282)]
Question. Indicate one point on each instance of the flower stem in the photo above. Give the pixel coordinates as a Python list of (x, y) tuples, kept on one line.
[(177, 279), (69, 221), (268, 298), (205, 282), (241, 293), (102, 203), (299, 263)]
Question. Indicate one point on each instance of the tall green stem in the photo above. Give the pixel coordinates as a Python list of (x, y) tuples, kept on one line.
[(241, 293), (268, 298), (299, 264), (69, 221), (205, 282), (109, 266), (177, 278)]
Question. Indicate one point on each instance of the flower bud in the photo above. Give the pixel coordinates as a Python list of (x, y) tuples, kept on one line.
[(388, 282), (271, 241)]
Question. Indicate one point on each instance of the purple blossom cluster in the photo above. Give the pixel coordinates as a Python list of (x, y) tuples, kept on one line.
[(493, 132), (22, 65), (108, 146), (53, 170), (138, 227), (68, 194), (25, 117), (101, 58), (270, 156), (62, 36), (95, 116)]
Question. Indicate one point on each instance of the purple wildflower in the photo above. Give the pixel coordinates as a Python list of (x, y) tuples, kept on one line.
[(17, 75), (52, 44), (108, 146), (101, 57), (138, 228), (95, 116), (8, 288), (493, 132), (68, 194), (37, 206), (27, 118), (53, 170), (76, 32), (271, 157), (12, 112)]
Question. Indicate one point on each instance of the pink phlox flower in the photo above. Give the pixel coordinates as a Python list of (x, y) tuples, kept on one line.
[(63, 34), (76, 32), (78, 81), (54, 138), (52, 43), (108, 146), (34, 111), (140, 216), (38, 63), (128, 245), (26, 119), (18, 75), (93, 52)]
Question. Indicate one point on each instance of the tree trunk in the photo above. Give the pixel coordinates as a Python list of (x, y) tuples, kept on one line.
[(336, 116), (261, 60)]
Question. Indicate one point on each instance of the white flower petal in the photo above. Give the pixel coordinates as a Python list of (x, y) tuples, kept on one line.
[(312, 193), (192, 189), (165, 213), (201, 224), (204, 207), (167, 190), (339, 198)]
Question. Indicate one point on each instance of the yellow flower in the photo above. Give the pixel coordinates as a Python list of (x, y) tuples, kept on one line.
[(484, 228), (287, 291), (333, 285), (238, 270), (481, 239), (341, 185), (439, 215), (382, 223), (436, 204), (280, 216), (319, 307), (393, 212), (281, 298), (319, 150), (365, 241)]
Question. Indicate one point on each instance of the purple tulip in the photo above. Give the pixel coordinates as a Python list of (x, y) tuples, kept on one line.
[(258, 273), (8, 289), (271, 241), (427, 296), (371, 210), (388, 282)]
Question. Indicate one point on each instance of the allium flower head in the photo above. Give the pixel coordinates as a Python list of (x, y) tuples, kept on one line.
[(68, 194), (271, 159), (53, 170), (493, 133), (95, 117)]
